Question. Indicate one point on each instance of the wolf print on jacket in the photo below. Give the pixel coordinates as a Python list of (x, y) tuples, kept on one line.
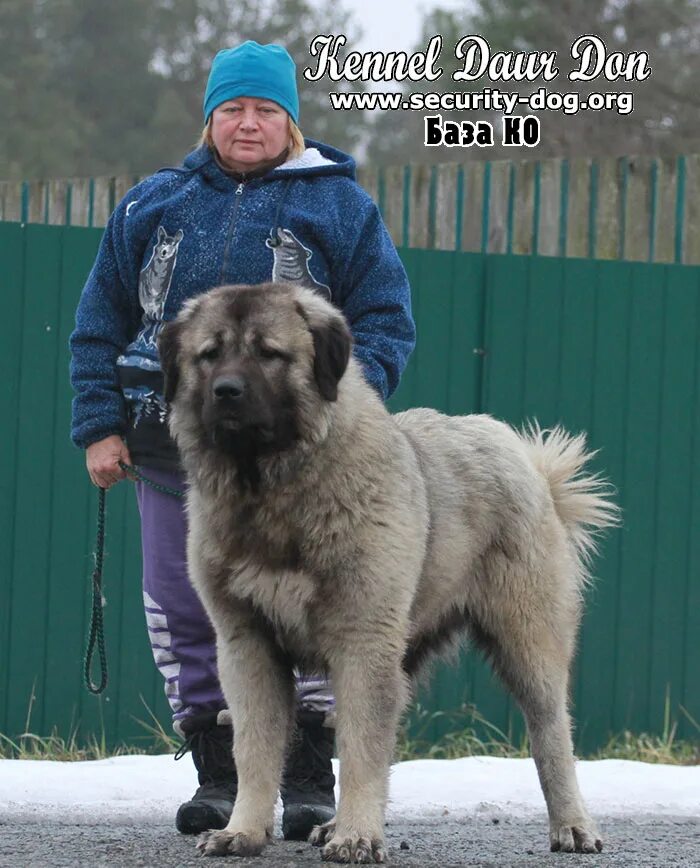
[(291, 262), (154, 282)]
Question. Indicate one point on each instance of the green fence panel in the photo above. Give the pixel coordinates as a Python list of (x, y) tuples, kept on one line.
[(610, 348), (70, 507), (11, 282), (673, 490), (445, 372), (635, 614), (405, 394), (37, 384), (444, 369), (691, 669), (612, 293), (49, 509)]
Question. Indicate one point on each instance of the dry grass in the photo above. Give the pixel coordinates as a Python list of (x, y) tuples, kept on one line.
[(649, 748), (469, 734), (472, 735), (31, 746)]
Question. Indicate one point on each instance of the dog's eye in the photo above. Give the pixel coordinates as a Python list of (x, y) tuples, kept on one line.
[(268, 352), (208, 355)]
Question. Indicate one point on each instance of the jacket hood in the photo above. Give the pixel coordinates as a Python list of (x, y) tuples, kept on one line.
[(317, 160)]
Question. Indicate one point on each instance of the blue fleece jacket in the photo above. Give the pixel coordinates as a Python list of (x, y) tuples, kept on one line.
[(185, 230)]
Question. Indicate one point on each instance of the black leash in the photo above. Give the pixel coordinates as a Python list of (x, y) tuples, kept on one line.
[(133, 472), (96, 636)]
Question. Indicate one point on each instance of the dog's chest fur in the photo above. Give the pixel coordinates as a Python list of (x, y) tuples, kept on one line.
[(284, 597), (266, 567)]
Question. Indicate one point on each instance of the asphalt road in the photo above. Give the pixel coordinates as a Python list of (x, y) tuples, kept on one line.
[(484, 841)]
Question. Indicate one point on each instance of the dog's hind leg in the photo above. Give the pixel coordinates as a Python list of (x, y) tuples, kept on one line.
[(531, 641), (259, 689), (543, 702)]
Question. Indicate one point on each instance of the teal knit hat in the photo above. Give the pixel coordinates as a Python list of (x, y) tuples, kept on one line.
[(251, 69)]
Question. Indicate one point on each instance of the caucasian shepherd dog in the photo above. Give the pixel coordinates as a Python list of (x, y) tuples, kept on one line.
[(328, 534)]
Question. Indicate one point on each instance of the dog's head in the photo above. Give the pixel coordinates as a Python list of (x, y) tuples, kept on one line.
[(250, 366)]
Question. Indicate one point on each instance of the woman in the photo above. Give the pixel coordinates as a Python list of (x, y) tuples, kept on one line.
[(254, 202)]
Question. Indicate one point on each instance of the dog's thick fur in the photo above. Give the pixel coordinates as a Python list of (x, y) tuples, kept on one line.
[(328, 534)]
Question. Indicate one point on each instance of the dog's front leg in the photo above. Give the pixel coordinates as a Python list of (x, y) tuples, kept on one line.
[(259, 690), (370, 692)]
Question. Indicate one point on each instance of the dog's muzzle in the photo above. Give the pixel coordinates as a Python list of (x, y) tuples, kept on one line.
[(228, 389), (233, 408), (228, 401)]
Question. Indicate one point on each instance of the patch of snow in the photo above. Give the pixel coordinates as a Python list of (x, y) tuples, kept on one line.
[(132, 789)]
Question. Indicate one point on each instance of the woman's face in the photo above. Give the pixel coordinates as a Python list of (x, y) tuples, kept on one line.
[(248, 132)]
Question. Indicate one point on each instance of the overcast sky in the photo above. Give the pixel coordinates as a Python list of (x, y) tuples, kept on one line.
[(393, 24)]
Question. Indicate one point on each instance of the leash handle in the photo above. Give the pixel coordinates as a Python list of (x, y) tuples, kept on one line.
[(96, 635), (134, 473)]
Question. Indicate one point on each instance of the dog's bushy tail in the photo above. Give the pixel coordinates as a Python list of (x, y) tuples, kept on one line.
[(583, 501)]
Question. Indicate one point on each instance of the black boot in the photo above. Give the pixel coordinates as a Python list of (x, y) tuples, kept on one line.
[(307, 786), (211, 744)]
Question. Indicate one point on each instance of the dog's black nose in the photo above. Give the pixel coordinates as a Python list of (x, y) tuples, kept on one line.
[(228, 388)]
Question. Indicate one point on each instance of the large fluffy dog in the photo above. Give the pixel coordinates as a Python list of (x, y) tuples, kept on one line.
[(327, 533)]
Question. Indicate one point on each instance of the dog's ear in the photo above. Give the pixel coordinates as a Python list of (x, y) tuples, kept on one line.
[(168, 350), (332, 346)]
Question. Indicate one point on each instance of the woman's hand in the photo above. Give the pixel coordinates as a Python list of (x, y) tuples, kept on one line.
[(102, 459)]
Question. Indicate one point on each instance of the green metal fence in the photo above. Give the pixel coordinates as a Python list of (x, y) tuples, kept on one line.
[(610, 348), (606, 347)]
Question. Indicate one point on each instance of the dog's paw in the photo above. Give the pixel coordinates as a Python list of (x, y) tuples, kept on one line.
[(221, 842), (320, 834), (354, 849), (576, 838)]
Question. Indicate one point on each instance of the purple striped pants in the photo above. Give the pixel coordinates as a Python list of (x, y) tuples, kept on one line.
[(181, 635)]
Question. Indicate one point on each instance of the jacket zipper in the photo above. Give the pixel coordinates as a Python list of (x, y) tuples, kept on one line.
[(237, 201)]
